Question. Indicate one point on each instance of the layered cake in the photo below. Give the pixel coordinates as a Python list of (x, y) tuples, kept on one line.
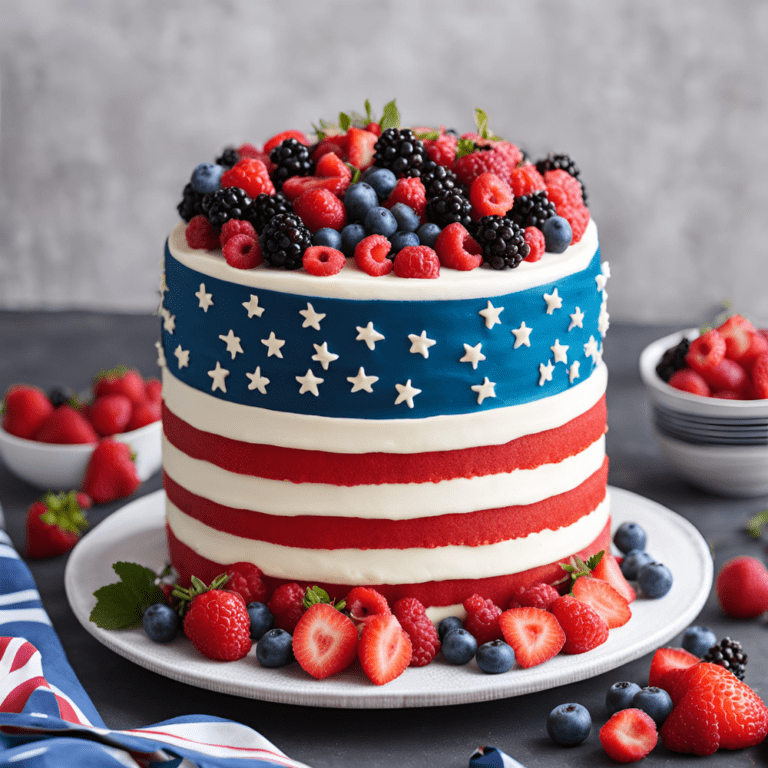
[(428, 437)]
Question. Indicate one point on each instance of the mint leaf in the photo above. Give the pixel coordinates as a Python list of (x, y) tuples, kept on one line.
[(464, 147), (121, 605), (344, 121), (481, 121), (430, 135), (391, 116), (368, 116)]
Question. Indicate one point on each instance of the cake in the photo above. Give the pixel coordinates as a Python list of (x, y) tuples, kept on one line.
[(433, 438)]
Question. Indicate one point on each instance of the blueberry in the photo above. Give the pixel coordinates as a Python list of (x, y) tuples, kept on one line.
[(447, 624), (207, 178), (655, 702), (698, 640), (275, 648), (380, 221), (351, 235), (655, 580), (620, 696), (381, 179), (633, 562), (401, 239), (428, 234), (358, 200), (261, 619), (630, 536), (407, 219), (569, 724), (459, 647), (557, 234), (328, 237), (160, 622), (495, 657)]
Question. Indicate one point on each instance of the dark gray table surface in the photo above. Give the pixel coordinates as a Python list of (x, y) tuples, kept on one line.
[(46, 348)]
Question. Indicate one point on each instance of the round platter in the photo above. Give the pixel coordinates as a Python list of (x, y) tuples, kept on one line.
[(136, 533)]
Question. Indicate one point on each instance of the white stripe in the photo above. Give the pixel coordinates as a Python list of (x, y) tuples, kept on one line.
[(392, 501), (497, 426), (4, 538), (38, 615), (391, 566), (6, 662), (23, 596), (28, 755), (33, 667), (8, 552)]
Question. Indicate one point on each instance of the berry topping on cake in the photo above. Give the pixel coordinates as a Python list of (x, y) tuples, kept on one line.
[(413, 618), (557, 234), (324, 641), (287, 606), (291, 158), (284, 136), (417, 261), (502, 242), (534, 239), (438, 179), (482, 620), (249, 175), (400, 151), (584, 628), (323, 261), (384, 649), (242, 252), (561, 162), (411, 192), (442, 149), (265, 207), (536, 596), (361, 147), (449, 206), (728, 654), (532, 210), (225, 204), (284, 240), (191, 204), (319, 208), (236, 227), (201, 235), (371, 255), (228, 157), (534, 634), (363, 602), (247, 580), (457, 249), (469, 167), (490, 196), (563, 189)]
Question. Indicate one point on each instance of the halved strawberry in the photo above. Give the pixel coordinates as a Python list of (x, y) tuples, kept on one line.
[(336, 145), (332, 166), (534, 634), (629, 735), (737, 332), (363, 603), (360, 147), (295, 186), (384, 649), (600, 595), (324, 641), (666, 661), (609, 569)]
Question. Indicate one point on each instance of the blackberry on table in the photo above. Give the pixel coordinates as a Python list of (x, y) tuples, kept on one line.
[(229, 157), (532, 210), (561, 162), (401, 152), (449, 206), (191, 204), (502, 241), (264, 207), (284, 240), (728, 654), (292, 159), (673, 360), (225, 204), (437, 179)]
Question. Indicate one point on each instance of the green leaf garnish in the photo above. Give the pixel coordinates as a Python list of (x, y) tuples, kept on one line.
[(315, 595), (121, 605), (344, 121), (368, 114), (429, 135), (756, 523), (578, 568), (481, 121), (464, 147), (391, 116)]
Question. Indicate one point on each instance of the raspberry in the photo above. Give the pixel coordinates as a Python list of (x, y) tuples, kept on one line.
[(417, 261), (364, 602), (482, 620), (490, 195), (726, 375), (246, 580), (687, 380), (578, 217), (200, 234), (217, 624), (413, 618), (322, 260), (525, 180), (563, 189), (442, 150), (281, 137), (760, 376), (537, 596), (287, 606), (320, 208), (706, 351), (252, 151), (242, 252), (506, 148), (249, 175), (469, 167), (411, 192), (236, 227), (333, 167), (457, 249), (534, 238), (371, 255), (584, 628)]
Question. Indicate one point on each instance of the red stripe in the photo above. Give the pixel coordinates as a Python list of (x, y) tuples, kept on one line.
[(302, 466), (4, 643), (471, 528), (23, 655), (67, 711), (499, 588), (17, 698)]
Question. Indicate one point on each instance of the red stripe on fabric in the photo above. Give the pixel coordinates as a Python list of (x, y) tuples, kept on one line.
[(23, 655), (67, 711), (4, 643), (17, 698), (303, 466), (470, 528), (433, 593)]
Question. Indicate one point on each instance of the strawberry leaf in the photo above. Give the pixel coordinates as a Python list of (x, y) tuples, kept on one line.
[(344, 121), (368, 115), (429, 135), (391, 116), (315, 595), (122, 604), (464, 147)]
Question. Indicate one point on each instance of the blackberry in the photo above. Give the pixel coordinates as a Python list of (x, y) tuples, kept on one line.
[(191, 204), (292, 159), (400, 151), (228, 158), (284, 240), (673, 360), (264, 207), (502, 241), (728, 654), (60, 395), (225, 204), (532, 210), (437, 179), (449, 206), (553, 162)]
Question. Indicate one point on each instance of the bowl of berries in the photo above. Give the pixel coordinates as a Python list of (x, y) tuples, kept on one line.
[(48, 439), (708, 390)]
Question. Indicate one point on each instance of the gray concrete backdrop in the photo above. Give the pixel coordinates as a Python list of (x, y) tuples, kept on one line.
[(105, 108)]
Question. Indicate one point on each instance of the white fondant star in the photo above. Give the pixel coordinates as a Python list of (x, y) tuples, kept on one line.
[(252, 305), (573, 371), (205, 299), (160, 354), (577, 320), (603, 322), (522, 335), (183, 357), (309, 382), (407, 393), (560, 351), (258, 381), (311, 318), (273, 344), (170, 322), (420, 344), (232, 342), (491, 315), (324, 356), (472, 355), (486, 389), (361, 381), (545, 372), (553, 301), (601, 280), (369, 335), (218, 374), (591, 349)]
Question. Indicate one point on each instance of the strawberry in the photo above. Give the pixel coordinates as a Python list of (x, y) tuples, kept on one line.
[(142, 414), (706, 351), (664, 664), (364, 602), (247, 580), (66, 426), (737, 332), (330, 145), (726, 375), (629, 735), (609, 569), (110, 414), (687, 380), (525, 180), (742, 588), (534, 634), (111, 473), (54, 525), (584, 628), (374, 128), (281, 137), (384, 649), (717, 711), (490, 195), (119, 381), (360, 147), (606, 601), (287, 606), (153, 390), (324, 641), (295, 186), (469, 167), (413, 618), (760, 376), (25, 409), (320, 208), (333, 167)]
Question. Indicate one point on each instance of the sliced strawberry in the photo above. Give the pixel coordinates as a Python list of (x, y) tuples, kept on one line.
[(737, 332), (384, 650), (330, 145), (609, 569), (324, 641), (534, 634), (629, 735), (362, 603), (666, 660), (601, 596), (295, 186), (332, 166), (360, 147), (706, 351)]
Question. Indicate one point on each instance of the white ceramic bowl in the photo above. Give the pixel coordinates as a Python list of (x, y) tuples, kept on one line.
[(727, 468), (62, 467)]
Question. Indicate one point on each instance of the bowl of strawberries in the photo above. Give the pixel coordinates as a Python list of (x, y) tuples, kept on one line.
[(708, 390), (48, 439)]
